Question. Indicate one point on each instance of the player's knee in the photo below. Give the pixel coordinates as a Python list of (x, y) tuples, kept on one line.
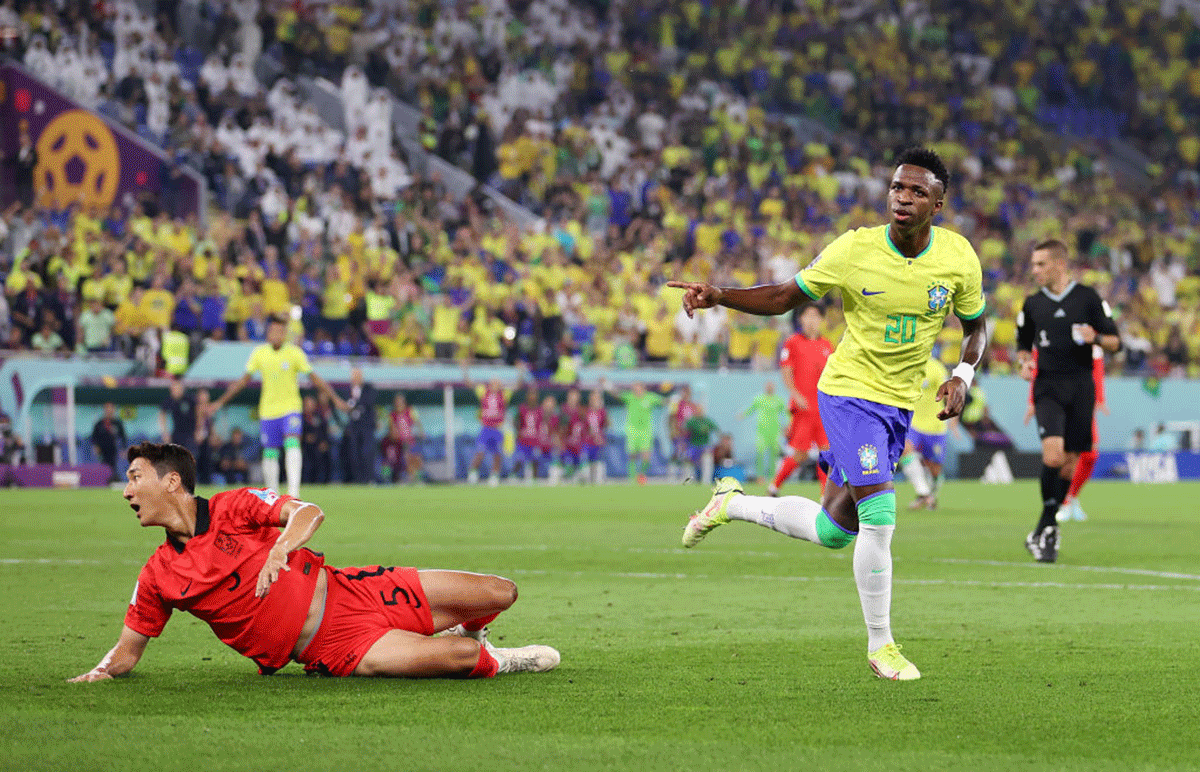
[(1054, 458), (503, 592), (837, 539)]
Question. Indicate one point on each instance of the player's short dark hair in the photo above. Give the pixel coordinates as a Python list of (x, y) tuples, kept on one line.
[(276, 319), (167, 457), (1058, 247), (814, 306), (926, 159)]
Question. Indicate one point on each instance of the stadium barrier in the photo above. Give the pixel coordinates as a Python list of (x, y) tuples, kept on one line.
[(1138, 466)]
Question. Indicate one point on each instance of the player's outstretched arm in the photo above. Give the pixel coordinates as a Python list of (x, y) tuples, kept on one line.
[(300, 520), (953, 393), (763, 300), (231, 392), (324, 387), (119, 660)]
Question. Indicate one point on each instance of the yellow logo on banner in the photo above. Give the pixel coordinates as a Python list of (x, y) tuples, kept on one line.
[(81, 141)]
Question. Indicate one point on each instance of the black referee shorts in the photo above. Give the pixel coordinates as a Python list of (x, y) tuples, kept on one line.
[(1066, 407)]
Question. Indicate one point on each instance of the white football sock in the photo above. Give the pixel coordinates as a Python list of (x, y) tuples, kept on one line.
[(914, 472), (873, 575), (793, 516), (294, 464), (270, 470), (599, 472)]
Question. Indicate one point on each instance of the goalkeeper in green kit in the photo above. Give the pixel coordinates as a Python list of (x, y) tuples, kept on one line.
[(770, 408), (639, 427)]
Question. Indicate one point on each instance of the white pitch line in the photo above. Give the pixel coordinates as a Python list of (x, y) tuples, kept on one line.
[(1060, 567), (805, 579)]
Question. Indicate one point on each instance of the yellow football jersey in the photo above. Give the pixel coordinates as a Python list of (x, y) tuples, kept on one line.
[(894, 308), (925, 415), (280, 372)]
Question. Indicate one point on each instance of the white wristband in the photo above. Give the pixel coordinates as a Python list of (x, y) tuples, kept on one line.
[(964, 371)]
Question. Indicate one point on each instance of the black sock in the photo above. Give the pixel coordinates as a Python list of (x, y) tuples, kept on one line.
[(1062, 489), (1051, 492)]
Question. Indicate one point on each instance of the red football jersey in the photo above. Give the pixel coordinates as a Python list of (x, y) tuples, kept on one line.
[(576, 425), (684, 412), (214, 574), (597, 422), (529, 425), (805, 357), (402, 420), (492, 407), (547, 430)]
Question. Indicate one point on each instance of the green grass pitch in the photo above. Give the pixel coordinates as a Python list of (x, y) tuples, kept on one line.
[(746, 653)]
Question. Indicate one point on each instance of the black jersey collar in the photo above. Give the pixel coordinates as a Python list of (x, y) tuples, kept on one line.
[(1059, 297), (202, 522)]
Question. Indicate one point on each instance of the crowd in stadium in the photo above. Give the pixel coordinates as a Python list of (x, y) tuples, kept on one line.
[(654, 140)]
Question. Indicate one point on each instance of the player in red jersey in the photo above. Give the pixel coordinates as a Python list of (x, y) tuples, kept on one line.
[(528, 426), (549, 438), (801, 361), (273, 600), (685, 409), (1070, 509), (399, 449), (595, 435), (574, 426), (493, 409)]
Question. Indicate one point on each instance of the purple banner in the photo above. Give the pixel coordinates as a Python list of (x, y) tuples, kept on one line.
[(51, 476), (81, 156)]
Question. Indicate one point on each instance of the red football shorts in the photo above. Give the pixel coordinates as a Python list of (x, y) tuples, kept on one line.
[(805, 430), (361, 605)]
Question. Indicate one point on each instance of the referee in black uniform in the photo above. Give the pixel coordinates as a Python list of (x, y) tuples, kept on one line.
[(1063, 319)]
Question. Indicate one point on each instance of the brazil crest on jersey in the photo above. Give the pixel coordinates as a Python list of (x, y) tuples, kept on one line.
[(894, 307)]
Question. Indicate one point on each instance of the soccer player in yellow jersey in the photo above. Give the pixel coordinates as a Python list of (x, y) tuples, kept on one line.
[(925, 448), (281, 364), (897, 282)]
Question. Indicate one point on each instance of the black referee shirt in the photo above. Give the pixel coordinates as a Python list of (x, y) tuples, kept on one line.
[(1046, 320)]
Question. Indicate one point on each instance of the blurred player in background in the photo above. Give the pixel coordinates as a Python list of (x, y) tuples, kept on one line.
[(527, 427), (639, 428), (1064, 320), (595, 436), (271, 599), (769, 408), (925, 448), (280, 364), (801, 362), (177, 417), (549, 438), (404, 430), (699, 430), (681, 412), (493, 408), (898, 282), (573, 429)]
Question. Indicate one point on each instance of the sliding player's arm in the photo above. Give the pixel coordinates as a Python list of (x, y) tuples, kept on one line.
[(119, 660), (300, 520)]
